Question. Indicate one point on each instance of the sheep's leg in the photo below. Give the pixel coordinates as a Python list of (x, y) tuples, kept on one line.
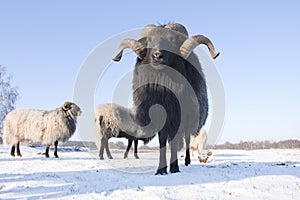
[(199, 149), (102, 144), (128, 148), (18, 150), (12, 151), (107, 150), (135, 149), (187, 160), (55, 149), (47, 151), (162, 167), (174, 161)]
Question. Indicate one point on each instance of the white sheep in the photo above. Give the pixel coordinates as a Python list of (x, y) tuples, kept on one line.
[(199, 144), (40, 126), (112, 120)]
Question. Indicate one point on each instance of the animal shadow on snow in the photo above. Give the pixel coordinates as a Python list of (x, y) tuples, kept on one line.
[(42, 157), (96, 180)]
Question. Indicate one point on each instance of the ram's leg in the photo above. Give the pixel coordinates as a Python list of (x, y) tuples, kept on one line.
[(187, 160), (136, 149), (174, 161), (18, 149), (12, 151), (162, 167), (55, 149), (47, 151), (107, 150), (101, 150), (128, 148)]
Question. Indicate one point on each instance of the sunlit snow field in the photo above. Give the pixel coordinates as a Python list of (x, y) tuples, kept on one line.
[(230, 174)]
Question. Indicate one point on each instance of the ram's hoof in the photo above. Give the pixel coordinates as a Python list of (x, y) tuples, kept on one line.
[(187, 161), (174, 169), (161, 171)]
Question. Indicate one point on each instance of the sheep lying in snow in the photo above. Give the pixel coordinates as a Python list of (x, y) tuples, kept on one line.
[(40, 126), (112, 120), (199, 144)]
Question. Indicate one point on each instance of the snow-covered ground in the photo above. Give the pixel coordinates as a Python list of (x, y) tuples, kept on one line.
[(231, 174)]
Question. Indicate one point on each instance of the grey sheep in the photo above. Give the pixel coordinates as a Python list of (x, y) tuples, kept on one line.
[(112, 120)]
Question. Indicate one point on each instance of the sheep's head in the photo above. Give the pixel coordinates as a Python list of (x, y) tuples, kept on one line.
[(203, 158), (72, 107), (156, 41)]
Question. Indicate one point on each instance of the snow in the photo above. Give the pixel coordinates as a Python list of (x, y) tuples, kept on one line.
[(231, 174)]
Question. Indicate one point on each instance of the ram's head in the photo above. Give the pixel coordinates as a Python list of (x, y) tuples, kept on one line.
[(157, 41)]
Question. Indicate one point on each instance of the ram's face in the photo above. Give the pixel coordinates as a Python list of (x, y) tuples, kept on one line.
[(163, 46)]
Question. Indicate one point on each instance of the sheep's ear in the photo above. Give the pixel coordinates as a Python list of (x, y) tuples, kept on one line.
[(67, 106)]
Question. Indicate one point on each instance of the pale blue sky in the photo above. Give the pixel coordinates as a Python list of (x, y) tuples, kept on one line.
[(44, 43)]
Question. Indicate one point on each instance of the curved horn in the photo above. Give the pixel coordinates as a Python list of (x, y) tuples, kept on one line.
[(192, 42), (67, 106), (177, 27), (135, 45), (146, 29)]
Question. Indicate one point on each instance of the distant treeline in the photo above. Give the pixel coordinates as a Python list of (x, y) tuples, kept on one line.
[(250, 145), (245, 145)]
